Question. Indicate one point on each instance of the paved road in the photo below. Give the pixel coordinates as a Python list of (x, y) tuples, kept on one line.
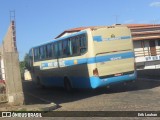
[(140, 95)]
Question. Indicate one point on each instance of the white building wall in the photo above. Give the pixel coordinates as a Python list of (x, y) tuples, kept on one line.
[(27, 75), (2, 69), (143, 58)]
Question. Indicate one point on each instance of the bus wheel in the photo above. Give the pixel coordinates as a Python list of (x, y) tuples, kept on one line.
[(67, 85)]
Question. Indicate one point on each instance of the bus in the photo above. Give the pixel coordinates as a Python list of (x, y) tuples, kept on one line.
[(91, 58)]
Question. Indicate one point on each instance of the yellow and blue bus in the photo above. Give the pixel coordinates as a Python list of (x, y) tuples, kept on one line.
[(90, 58)]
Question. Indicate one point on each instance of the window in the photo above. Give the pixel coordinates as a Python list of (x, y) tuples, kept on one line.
[(42, 53), (36, 54), (64, 47), (49, 51), (30, 58), (55, 50), (83, 44), (30, 53), (60, 49), (152, 48), (70, 47), (75, 46)]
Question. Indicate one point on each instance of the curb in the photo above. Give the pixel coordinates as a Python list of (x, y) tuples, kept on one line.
[(46, 106), (36, 107)]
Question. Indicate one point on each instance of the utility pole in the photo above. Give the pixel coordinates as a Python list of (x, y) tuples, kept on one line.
[(116, 19)]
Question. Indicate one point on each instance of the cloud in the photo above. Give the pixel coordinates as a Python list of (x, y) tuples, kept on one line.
[(129, 21), (155, 4)]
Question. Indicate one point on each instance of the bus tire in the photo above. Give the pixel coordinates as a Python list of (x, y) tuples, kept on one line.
[(67, 85)]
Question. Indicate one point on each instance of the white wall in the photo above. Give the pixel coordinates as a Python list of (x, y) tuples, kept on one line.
[(143, 55), (2, 69)]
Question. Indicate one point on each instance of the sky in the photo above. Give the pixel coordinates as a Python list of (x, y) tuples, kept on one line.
[(39, 21)]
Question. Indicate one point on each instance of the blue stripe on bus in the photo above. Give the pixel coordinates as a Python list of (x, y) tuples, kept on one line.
[(44, 65), (92, 60), (87, 82), (98, 59), (97, 82), (125, 37), (99, 38), (114, 57), (79, 61)]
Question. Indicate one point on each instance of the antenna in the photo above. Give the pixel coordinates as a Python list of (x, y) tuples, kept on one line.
[(12, 15), (116, 19)]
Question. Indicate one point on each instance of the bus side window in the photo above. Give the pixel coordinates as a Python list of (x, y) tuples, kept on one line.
[(49, 51), (55, 50), (69, 47), (36, 54), (65, 48), (42, 52), (60, 49), (83, 44), (75, 45), (30, 59)]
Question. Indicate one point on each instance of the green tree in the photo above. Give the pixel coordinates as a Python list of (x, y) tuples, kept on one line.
[(26, 61), (22, 68), (24, 65)]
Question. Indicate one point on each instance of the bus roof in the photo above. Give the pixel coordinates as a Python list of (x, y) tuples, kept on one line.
[(61, 38)]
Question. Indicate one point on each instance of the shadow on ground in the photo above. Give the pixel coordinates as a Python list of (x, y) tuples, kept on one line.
[(149, 73), (34, 95)]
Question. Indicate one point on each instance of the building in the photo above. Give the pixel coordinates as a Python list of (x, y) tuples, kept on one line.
[(10, 78), (146, 40)]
